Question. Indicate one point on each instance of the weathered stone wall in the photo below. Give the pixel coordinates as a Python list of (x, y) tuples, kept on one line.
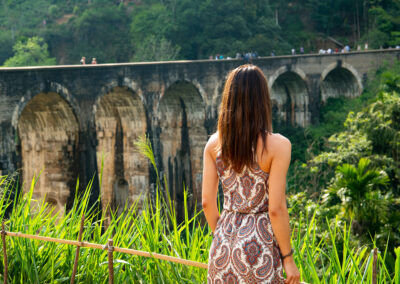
[(183, 137), (71, 121), (48, 132), (120, 119)]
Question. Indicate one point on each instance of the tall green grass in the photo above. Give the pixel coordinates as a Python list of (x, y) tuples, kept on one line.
[(154, 228)]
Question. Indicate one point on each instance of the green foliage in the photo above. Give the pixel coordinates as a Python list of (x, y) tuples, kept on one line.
[(328, 15), (228, 27), (377, 39), (359, 190), (397, 267), (153, 49), (22, 15), (385, 21), (113, 31), (6, 44), (357, 168), (371, 133), (206, 28), (155, 20), (390, 82), (32, 52), (347, 147), (93, 34)]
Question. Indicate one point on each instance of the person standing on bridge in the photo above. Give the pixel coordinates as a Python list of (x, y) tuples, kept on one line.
[(251, 242)]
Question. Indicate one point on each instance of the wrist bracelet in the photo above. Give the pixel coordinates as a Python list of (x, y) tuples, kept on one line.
[(289, 254)]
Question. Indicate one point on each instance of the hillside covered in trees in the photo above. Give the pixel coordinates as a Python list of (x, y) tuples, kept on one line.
[(142, 30)]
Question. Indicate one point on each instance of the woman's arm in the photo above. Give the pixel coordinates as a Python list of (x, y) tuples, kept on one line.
[(210, 185), (277, 209)]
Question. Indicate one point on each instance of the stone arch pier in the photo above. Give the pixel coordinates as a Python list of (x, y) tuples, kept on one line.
[(289, 95), (120, 119), (183, 137), (49, 135)]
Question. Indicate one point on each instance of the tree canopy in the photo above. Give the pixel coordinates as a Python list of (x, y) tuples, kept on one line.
[(30, 52), (114, 31)]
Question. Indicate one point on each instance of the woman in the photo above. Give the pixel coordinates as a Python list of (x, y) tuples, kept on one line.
[(252, 236)]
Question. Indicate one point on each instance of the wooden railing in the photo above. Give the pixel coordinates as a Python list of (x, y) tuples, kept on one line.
[(79, 243)]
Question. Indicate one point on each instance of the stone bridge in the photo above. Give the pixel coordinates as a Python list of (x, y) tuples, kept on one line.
[(67, 122)]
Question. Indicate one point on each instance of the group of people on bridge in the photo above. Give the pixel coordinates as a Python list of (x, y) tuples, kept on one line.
[(250, 55), (83, 60), (246, 56)]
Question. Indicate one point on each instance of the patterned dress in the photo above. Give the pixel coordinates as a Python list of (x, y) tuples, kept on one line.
[(244, 248)]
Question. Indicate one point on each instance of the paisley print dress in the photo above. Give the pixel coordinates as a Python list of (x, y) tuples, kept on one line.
[(244, 248)]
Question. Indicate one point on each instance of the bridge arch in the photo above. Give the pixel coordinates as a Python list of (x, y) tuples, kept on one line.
[(120, 118), (127, 83), (290, 96), (340, 79), (47, 87), (181, 114), (194, 82), (48, 130)]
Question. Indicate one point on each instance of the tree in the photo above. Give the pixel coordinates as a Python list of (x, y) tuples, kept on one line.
[(357, 192), (205, 28), (6, 45), (353, 183), (30, 52), (153, 20), (155, 49), (384, 23), (390, 82), (101, 31)]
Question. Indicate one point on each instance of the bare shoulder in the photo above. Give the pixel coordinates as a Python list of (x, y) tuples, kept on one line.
[(212, 145), (278, 144)]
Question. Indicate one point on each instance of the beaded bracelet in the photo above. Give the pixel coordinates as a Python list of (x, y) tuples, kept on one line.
[(289, 254)]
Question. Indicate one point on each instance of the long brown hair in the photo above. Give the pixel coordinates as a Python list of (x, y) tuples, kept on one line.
[(244, 114)]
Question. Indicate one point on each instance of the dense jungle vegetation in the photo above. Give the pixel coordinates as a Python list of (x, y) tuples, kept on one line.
[(187, 29), (347, 168)]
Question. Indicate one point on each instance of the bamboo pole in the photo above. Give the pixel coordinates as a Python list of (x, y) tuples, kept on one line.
[(110, 262), (162, 257), (374, 267), (77, 250), (117, 249), (3, 238)]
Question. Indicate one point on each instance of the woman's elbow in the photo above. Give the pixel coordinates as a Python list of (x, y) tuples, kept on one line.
[(204, 203), (275, 211)]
